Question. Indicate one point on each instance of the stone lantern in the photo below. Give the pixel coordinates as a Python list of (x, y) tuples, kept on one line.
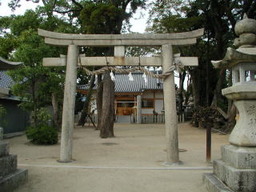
[(10, 176), (236, 171)]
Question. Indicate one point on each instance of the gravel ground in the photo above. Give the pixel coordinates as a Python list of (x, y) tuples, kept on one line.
[(132, 161)]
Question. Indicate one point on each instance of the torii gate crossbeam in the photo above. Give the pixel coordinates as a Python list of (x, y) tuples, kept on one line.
[(165, 41)]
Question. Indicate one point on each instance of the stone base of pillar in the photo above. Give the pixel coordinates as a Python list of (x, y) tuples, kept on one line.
[(63, 161), (236, 171)]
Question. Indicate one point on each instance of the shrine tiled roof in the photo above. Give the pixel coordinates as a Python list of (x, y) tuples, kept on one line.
[(5, 80), (123, 84)]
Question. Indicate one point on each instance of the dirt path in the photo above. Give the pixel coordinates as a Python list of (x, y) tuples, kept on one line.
[(130, 162)]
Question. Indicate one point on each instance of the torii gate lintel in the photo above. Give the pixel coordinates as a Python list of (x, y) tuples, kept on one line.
[(106, 40)]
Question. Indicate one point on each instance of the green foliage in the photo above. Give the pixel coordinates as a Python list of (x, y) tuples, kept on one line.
[(43, 116), (175, 23), (107, 16), (208, 117), (2, 116), (34, 83), (25, 22), (42, 132), (7, 45), (218, 18), (171, 16), (101, 18)]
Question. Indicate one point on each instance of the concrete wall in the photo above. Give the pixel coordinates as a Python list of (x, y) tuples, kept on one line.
[(15, 120)]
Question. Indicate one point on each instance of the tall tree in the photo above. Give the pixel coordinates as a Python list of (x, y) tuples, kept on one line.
[(106, 17), (96, 16), (102, 17), (171, 17), (218, 18), (38, 85)]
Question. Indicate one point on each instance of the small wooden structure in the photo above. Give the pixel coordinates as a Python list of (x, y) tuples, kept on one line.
[(10, 102)]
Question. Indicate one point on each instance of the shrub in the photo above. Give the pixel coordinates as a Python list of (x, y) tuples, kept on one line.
[(206, 117), (42, 134)]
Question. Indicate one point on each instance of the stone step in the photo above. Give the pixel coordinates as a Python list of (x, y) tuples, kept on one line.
[(14, 180), (236, 179), (213, 184), (239, 157), (4, 148), (8, 165)]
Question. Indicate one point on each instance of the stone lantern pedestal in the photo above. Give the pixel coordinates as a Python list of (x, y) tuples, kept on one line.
[(236, 171)]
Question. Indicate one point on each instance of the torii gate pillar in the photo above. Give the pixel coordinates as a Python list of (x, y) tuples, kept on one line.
[(69, 105), (171, 126)]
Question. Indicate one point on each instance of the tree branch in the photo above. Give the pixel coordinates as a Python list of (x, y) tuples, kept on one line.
[(80, 7), (64, 12), (77, 4)]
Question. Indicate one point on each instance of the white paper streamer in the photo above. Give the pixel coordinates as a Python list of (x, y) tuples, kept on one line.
[(112, 76), (145, 78), (130, 77), (96, 79)]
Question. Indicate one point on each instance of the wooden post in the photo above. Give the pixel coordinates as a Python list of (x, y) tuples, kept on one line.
[(139, 109), (208, 144), (69, 105), (171, 125)]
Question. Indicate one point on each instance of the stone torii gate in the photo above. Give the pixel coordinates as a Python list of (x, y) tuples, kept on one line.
[(119, 42)]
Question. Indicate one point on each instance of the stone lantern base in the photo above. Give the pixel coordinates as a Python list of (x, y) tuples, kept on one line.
[(235, 172), (10, 176)]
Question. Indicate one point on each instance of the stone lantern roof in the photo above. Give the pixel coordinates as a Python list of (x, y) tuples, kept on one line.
[(246, 30), (242, 61), (245, 44)]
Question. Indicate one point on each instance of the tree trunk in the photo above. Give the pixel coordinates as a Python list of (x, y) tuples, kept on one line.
[(107, 115), (99, 101), (85, 110), (217, 92), (182, 76), (195, 87), (55, 106), (35, 104)]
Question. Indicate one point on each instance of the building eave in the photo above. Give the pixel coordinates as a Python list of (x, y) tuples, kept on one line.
[(6, 65)]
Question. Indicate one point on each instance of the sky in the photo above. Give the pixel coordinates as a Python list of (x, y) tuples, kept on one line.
[(138, 22)]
